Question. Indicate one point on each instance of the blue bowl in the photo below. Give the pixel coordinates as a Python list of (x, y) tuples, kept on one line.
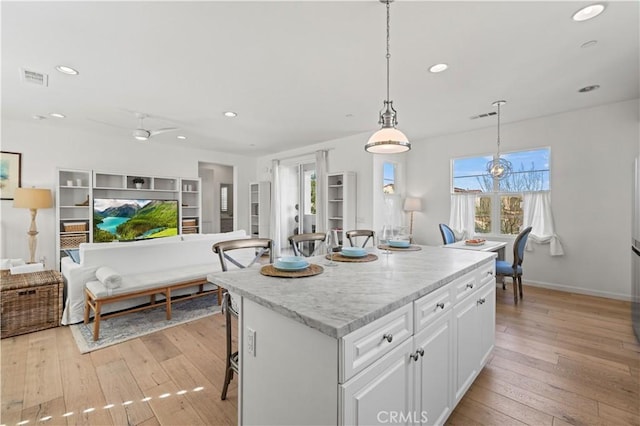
[(353, 252), (291, 262), (399, 243)]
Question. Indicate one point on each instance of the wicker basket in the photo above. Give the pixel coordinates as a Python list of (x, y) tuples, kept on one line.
[(75, 226), (188, 222), (72, 240), (30, 302)]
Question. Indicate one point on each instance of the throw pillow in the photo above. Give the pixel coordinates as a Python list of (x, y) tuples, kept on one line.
[(74, 254), (108, 277)]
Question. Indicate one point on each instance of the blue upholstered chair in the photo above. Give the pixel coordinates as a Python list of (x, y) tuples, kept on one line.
[(514, 270), (448, 236)]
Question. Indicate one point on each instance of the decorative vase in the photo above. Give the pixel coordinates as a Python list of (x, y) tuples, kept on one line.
[(138, 185)]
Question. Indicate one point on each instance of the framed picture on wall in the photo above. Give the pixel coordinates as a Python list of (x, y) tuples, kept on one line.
[(10, 173)]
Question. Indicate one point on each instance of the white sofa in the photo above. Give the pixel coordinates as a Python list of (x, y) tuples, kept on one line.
[(141, 264)]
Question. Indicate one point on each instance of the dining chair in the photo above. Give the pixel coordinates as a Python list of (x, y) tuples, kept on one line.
[(298, 241), (514, 270), (353, 234), (448, 236), (249, 252)]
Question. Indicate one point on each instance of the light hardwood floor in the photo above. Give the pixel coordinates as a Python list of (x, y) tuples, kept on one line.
[(560, 359)]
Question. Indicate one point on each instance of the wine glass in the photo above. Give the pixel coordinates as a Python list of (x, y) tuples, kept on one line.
[(331, 242), (385, 236)]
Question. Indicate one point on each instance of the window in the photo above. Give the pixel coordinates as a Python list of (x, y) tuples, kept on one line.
[(498, 206), (389, 178)]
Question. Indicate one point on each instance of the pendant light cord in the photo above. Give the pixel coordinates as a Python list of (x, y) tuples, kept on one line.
[(499, 129), (388, 54)]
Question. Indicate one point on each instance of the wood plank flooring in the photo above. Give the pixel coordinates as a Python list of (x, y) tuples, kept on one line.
[(560, 359)]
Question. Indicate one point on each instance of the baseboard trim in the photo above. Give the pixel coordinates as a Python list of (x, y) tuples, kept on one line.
[(579, 290)]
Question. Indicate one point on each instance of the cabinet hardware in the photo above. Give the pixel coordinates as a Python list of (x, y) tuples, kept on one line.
[(420, 351), (440, 305), (469, 285), (388, 337), (415, 356), (490, 273)]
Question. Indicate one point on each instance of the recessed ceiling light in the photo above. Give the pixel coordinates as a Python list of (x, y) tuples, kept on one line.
[(57, 115), (38, 117), (181, 137), (589, 88), (589, 43), (67, 70), (588, 12), (438, 68), (230, 114)]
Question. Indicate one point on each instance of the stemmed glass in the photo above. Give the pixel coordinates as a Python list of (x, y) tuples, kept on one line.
[(385, 236), (331, 242)]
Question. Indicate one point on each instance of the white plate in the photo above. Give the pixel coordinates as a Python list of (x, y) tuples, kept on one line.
[(399, 243)]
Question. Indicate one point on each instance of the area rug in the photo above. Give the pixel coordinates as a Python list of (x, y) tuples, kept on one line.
[(136, 324)]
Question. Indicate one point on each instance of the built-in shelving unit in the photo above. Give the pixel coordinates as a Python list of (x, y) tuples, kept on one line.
[(341, 202), (77, 189), (260, 209)]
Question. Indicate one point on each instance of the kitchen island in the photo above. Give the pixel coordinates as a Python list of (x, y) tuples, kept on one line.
[(396, 340)]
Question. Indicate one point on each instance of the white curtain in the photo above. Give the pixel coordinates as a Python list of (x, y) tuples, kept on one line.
[(275, 207), (537, 214), (463, 214), (321, 191)]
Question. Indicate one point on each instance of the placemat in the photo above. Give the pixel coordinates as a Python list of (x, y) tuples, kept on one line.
[(339, 257), (309, 271), (388, 247)]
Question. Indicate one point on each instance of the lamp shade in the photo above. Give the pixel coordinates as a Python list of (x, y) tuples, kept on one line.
[(412, 204), (32, 198), (388, 140)]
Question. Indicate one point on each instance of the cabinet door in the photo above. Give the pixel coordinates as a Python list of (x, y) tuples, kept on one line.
[(467, 342), (382, 392), (487, 320), (435, 372)]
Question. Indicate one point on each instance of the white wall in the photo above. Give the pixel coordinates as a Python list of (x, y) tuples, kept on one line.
[(591, 157), (46, 147)]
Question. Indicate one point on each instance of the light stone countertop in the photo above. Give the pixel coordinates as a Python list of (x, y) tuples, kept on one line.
[(348, 296)]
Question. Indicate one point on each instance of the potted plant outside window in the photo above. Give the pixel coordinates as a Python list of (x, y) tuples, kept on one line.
[(138, 181)]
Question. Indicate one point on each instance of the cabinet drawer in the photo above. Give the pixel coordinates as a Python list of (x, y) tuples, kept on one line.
[(486, 273), (362, 347), (464, 286), (431, 307)]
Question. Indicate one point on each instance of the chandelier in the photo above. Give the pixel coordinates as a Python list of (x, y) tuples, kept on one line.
[(388, 140), (499, 168)]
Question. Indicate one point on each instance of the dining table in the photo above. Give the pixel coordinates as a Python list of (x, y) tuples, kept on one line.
[(494, 246)]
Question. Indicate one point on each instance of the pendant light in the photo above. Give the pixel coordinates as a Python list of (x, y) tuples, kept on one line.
[(499, 168), (388, 140)]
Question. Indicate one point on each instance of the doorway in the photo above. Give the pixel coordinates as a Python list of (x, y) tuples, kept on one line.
[(297, 199), (217, 210)]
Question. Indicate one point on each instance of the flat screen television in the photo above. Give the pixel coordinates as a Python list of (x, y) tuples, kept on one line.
[(131, 220)]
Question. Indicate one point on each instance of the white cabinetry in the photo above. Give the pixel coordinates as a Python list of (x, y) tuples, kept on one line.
[(260, 209), (341, 202), (74, 210), (77, 190), (190, 205), (474, 337)]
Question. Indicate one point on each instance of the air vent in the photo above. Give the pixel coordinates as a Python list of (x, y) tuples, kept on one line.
[(34, 77), (486, 114)]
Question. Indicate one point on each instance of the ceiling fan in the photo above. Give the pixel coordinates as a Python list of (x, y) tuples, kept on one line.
[(143, 134), (140, 133)]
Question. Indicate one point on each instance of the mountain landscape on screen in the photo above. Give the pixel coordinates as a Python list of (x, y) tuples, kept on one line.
[(129, 220)]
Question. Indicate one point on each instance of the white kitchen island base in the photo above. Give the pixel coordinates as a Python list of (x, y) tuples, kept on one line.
[(409, 359)]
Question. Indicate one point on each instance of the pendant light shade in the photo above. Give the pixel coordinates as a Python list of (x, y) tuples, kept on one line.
[(388, 140), (499, 168)]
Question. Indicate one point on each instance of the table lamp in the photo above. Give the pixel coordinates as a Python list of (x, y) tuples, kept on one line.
[(412, 205), (33, 199)]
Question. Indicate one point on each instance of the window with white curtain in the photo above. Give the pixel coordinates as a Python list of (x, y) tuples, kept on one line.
[(499, 203)]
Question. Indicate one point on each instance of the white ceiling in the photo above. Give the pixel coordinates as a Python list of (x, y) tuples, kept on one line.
[(303, 72)]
